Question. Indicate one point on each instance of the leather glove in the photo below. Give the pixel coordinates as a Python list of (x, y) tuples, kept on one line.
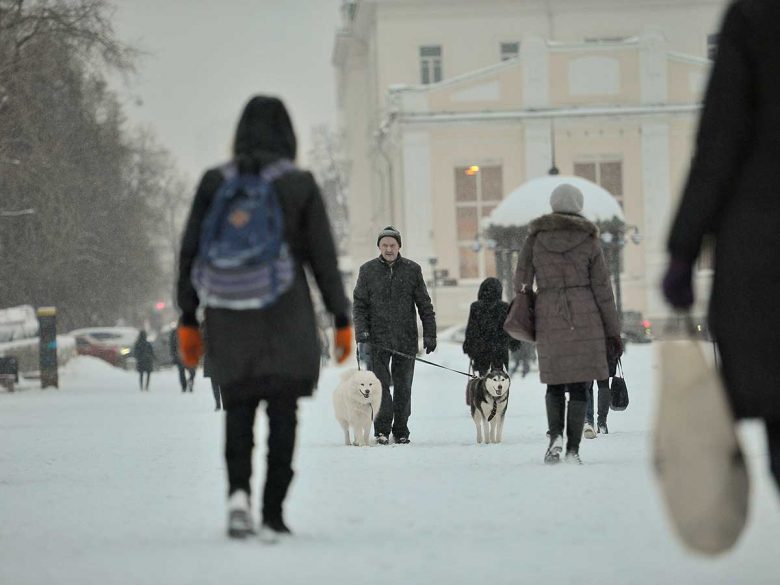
[(678, 284), (190, 345), (429, 343), (343, 343)]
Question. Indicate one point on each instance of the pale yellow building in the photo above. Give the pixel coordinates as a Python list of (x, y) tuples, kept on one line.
[(428, 89)]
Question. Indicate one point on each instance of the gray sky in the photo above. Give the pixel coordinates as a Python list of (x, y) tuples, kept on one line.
[(207, 57)]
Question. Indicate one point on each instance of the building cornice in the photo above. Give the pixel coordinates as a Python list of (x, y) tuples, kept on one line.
[(427, 118)]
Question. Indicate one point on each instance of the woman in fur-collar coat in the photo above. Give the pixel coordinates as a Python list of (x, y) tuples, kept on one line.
[(575, 312)]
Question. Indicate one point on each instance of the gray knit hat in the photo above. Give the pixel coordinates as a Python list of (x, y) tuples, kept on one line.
[(567, 198), (389, 232)]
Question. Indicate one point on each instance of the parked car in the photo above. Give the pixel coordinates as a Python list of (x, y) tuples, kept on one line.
[(636, 328), (112, 344)]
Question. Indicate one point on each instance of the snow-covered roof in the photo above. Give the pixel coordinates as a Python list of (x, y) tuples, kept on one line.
[(532, 200)]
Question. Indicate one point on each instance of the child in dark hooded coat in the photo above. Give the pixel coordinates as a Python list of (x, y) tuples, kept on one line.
[(486, 343)]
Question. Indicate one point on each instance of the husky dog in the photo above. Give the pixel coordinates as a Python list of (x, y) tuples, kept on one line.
[(356, 402), (488, 399)]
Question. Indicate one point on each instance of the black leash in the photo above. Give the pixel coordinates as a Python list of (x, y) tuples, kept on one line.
[(414, 357)]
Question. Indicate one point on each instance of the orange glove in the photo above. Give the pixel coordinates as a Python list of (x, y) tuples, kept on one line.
[(343, 343), (190, 345)]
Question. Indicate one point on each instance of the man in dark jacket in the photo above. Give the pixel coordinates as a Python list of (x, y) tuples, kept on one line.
[(186, 375), (733, 196), (271, 353), (387, 291)]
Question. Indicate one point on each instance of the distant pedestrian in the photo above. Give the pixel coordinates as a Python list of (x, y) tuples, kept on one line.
[(255, 224), (186, 375), (389, 293), (575, 313), (733, 195), (486, 343), (144, 359)]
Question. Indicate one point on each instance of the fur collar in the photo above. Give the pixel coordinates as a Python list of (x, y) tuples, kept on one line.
[(563, 222)]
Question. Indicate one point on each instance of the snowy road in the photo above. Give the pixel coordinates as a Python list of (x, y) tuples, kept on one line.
[(101, 484)]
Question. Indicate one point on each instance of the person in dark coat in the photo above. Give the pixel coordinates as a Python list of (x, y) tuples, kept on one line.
[(388, 290), (144, 359), (575, 313), (186, 375), (269, 354), (733, 195), (486, 342)]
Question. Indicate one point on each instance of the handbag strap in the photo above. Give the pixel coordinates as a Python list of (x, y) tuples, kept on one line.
[(620, 368)]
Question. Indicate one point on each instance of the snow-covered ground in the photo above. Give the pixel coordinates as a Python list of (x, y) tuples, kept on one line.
[(102, 484)]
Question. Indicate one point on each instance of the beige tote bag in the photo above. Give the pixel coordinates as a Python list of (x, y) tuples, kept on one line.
[(699, 464)]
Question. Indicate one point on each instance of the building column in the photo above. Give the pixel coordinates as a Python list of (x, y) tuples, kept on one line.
[(417, 197), (657, 196)]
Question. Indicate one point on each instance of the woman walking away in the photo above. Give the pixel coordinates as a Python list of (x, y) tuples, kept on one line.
[(486, 342), (144, 359), (575, 313), (733, 196), (255, 224)]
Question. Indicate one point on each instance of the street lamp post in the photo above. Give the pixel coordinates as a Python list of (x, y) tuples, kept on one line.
[(615, 242)]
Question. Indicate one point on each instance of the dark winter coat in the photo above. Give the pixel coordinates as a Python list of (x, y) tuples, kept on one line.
[(733, 194), (486, 342), (143, 352), (575, 308), (248, 347), (384, 304)]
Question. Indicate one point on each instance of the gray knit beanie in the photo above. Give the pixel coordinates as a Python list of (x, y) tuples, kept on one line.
[(567, 198), (389, 232)]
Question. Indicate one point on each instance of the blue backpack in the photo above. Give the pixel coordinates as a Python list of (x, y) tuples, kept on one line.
[(243, 260)]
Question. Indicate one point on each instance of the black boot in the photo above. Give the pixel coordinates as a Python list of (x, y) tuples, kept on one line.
[(556, 408), (575, 421)]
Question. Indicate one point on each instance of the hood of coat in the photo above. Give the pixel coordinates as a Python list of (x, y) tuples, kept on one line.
[(561, 232), (264, 133), (490, 291)]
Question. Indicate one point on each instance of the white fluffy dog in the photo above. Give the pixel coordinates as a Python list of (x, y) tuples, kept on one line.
[(356, 402)]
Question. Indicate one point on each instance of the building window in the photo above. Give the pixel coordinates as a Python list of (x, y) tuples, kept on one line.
[(607, 173), (478, 190), (430, 64), (712, 46), (509, 51)]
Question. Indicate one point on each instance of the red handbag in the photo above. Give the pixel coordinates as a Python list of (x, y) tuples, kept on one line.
[(519, 323)]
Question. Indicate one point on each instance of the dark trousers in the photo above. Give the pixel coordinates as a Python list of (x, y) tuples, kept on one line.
[(239, 443), (603, 405), (141, 379), (773, 442), (186, 377), (217, 394), (557, 415), (396, 408)]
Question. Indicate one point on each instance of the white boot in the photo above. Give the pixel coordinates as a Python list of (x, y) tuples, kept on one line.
[(588, 431), (239, 515)]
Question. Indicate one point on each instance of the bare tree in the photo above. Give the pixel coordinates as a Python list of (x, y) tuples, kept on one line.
[(330, 168)]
